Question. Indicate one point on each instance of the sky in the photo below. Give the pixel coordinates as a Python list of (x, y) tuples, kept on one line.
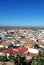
[(22, 12)]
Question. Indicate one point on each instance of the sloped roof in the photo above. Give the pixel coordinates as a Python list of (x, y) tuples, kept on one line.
[(14, 51)]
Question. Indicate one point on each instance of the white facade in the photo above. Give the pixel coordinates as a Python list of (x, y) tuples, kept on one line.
[(41, 46), (31, 50), (1, 46)]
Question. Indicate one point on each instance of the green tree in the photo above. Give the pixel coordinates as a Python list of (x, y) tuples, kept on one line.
[(36, 46), (38, 60), (18, 59)]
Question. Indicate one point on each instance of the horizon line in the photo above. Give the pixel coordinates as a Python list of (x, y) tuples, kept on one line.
[(31, 27)]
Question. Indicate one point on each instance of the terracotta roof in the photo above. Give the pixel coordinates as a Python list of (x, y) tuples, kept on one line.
[(32, 54), (10, 50), (22, 50)]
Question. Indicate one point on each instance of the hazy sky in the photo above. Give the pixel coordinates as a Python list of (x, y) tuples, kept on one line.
[(22, 12)]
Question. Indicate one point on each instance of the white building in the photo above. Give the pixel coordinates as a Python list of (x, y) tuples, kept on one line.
[(31, 50), (1, 46)]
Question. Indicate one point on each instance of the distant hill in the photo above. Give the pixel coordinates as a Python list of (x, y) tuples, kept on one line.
[(23, 27)]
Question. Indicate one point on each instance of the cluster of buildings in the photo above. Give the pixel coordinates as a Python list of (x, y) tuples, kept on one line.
[(20, 40), (22, 36)]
